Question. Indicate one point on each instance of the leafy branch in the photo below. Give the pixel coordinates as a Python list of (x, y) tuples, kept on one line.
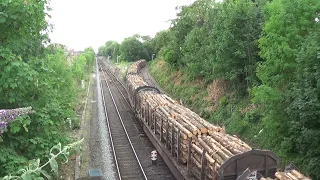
[(8, 115), (34, 170)]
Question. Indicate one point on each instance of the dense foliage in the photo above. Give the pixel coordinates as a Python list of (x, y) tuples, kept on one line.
[(7, 116), (82, 64), (290, 90), (265, 55), (131, 49), (32, 74), (111, 48), (36, 169)]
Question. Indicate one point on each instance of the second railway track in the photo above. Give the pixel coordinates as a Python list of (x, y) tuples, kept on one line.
[(131, 148)]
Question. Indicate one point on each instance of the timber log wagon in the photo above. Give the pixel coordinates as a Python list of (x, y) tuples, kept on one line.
[(192, 147)]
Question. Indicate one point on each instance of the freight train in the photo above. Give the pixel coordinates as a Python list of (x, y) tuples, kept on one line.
[(192, 147)]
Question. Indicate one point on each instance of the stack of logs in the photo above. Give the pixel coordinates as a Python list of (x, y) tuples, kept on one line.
[(135, 67), (182, 130), (167, 116), (291, 175)]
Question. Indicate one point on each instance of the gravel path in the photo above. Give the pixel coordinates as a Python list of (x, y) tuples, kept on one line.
[(148, 78)]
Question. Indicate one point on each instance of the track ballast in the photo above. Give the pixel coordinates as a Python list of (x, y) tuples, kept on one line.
[(131, 147)]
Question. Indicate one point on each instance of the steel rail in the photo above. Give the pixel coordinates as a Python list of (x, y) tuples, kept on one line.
[(124, 87), (124, 128), (108, 122)]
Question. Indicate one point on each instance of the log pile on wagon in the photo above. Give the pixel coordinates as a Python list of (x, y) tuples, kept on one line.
[(191, 139), (135, 67), (290, 175)]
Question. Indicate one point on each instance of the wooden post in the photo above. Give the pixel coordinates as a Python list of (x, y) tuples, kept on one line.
[(142, 113), (189, 157), (203, 161), (178, 145), (167, 135), (134, 102), (145, 114), (148, 115), (155, 124), (161, 129), (172, 143), (214, 172)]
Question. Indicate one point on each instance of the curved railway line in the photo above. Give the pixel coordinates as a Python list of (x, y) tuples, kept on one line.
[(131, 148)]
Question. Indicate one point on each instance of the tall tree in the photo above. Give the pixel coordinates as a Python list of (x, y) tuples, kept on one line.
[(132, 49), (235, 50), (290, 91), (160, 40), (110, 47), (32, 75)]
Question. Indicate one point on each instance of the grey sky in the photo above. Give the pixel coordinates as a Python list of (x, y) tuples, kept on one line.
[(82, 23)]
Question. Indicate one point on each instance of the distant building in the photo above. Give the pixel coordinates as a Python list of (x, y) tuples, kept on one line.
[(72, 52)]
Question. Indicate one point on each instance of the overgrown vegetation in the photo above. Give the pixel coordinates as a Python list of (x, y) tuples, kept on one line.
[(252, 66), (32, 74)]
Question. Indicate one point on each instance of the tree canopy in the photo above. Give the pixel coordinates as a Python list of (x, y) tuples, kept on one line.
[(34, 74)]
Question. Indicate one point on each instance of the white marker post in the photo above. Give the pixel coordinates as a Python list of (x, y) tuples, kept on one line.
[(118, 59), (154, 157)]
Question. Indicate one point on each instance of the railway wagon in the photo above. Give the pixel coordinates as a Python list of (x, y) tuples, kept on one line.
[(192, 147)]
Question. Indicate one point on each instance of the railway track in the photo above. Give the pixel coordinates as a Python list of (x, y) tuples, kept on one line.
[(127, 163), (131, 147)]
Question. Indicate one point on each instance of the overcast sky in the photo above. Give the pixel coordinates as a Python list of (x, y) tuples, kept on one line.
[(83, 23)]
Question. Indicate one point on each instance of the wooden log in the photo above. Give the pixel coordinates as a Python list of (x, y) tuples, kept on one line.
[(281, 176), (240, 142), (185, 117), (299, 175), (181, 128), (230, 145), (209, 169), (195, 162), (182, 134), (210, 151), (199, 151), (291, 176), (203, 163), (196, 129), (222, 151), (203, 122), (169, 99), (189, 158), (183, 160), (196, 155), (188, 126)]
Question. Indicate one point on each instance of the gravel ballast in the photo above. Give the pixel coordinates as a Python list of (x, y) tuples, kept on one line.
[(99, 145)]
